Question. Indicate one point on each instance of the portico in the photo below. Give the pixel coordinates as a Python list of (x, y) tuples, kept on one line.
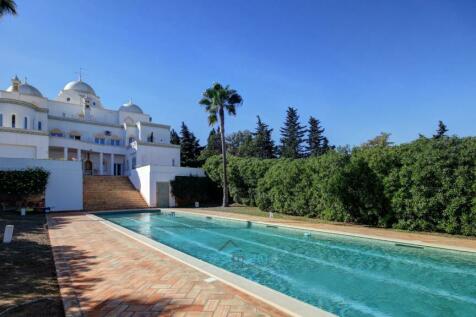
[(113, 164)]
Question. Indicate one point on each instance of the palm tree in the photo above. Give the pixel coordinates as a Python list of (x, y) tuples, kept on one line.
[(8, 7), (216, 100)]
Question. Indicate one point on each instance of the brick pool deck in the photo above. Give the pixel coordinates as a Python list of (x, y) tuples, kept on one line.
[(102, 272)]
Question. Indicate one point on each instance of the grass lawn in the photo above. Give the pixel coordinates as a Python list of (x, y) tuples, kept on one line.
[(27, 271)]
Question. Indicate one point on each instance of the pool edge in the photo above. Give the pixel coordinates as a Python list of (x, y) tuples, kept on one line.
[(280, 301), (357, 235)]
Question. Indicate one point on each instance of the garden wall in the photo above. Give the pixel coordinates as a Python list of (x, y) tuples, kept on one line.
[(65, 183)]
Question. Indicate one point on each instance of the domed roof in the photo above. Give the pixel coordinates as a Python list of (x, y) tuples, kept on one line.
[(26, 89), (80, 86), (131, 107)]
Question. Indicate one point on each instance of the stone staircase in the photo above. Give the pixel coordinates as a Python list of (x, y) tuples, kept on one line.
[(109, 193)]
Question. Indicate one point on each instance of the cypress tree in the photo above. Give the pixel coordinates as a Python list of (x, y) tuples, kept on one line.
[(189, 147), (441, 131), (264, 144), (292, 135), (315, 138), (174, 137)]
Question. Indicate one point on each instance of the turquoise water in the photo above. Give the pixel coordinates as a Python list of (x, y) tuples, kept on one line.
[(343, 275)]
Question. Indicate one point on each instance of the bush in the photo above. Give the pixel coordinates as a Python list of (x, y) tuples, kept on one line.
[(18, 186), (434, 188), (427, 185), (189, 189)]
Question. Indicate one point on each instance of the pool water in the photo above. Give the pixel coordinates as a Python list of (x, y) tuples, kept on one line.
[(344, 275)]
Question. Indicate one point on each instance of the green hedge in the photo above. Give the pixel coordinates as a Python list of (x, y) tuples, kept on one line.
[(243, 176), (426, 185), (20, 185), (189, 189)]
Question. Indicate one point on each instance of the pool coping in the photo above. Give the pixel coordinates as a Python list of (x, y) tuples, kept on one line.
[(283, 302), (342, 233)]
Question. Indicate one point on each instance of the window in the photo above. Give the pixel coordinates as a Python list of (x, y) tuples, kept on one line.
[(173, 162), (25, 123), (39, 125), (68, 99), (1, 120), (14, 123), (115, 142), (75, 137), (56, 132), (150, 138), (99, 140)]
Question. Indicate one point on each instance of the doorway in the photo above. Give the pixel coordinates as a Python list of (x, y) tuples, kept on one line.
[(117, 169), (163, 194), (88, 167)]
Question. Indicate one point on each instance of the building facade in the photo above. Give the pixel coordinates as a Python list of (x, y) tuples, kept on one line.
[(77, 126)]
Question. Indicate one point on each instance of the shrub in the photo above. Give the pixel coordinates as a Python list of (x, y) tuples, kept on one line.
[(189, 189), (20, 185), (428, 185), (435, 186)]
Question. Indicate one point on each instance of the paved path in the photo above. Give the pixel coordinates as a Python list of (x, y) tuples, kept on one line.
[(435, 239), (102, 272)]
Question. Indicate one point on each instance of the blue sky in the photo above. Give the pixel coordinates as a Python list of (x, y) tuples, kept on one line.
[(361, 67)]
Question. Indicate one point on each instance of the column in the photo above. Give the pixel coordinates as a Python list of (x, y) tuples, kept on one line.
[(78, 155), (65, 154), (112, 164), (100, 164)]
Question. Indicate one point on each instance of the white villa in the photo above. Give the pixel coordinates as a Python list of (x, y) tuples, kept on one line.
[(76, 126)]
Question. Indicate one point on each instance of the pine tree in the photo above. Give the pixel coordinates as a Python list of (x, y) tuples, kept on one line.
[(325, 145), (292, 135), (213, 146), (441, 132), (174, 137), (189, 147), (315, 138), (264, 144)]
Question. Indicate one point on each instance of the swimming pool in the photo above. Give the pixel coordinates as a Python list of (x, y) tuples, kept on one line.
[(344, 275)]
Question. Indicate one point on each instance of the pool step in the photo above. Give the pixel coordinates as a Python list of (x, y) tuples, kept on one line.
[(110, 193)]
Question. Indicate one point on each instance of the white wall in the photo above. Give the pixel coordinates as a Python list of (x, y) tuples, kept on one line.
[(65, 183), (145, 180), (140, 178), (15, 143), (163, 155)]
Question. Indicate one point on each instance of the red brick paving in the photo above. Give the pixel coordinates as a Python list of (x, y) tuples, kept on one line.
[(102, 272)]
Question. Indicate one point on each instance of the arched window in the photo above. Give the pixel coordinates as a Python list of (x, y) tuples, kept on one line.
[(56, 132), (14, 121), (115, 140), (25, 123)]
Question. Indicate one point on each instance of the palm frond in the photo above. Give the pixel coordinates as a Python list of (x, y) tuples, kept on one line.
[(8, 7)]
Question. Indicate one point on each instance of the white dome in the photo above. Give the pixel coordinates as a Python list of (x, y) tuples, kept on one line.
[(130, 107), (80, 86), (26, 89)]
